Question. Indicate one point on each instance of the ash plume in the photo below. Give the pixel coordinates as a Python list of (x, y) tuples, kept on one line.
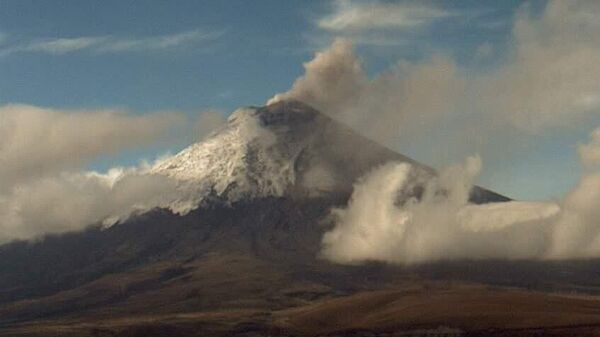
[(545, 81)]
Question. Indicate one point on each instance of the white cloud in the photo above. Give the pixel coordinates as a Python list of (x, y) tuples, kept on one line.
[(60, 46), (36, 141), (158, 42), (577, 230), (380, 223), (72, 201), (44, 188), (351, 15), (112, 44)]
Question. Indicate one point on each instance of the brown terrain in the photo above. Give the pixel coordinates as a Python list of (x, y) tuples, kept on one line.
[(432, 310)]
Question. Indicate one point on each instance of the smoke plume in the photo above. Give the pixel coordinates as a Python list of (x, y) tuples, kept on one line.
[(545, 80)]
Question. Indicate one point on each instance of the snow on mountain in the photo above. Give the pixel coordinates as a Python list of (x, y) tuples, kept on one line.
[(285, 148), (245, 159)]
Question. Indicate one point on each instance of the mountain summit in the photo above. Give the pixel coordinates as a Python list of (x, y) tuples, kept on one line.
[(286, 148)]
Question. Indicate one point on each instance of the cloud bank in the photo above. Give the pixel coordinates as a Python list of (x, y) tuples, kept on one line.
[(380, 224), (44, 187), (36, 141), (73, 201)]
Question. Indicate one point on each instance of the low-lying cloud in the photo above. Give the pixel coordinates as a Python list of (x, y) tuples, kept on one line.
[(74, 201), (36, 141), (380, 224), (45, 188)]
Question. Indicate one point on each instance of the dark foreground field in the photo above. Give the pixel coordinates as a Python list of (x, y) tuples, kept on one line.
[(432, 310)]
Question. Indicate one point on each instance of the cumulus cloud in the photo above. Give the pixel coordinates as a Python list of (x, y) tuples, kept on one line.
[(44, 187), (158, 42), (111, 44), (58, 46), (382, 224), (577, 231)]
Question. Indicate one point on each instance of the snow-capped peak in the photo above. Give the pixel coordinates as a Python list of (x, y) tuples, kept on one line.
[(286, 148), (240, 160)]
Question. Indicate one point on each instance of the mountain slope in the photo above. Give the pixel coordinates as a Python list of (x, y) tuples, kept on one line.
[(270, 179), (286, 148)]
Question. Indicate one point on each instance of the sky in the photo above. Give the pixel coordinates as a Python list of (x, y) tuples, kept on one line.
[(189, 57)]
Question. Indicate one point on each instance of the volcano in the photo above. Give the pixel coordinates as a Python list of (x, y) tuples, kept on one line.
[(286, 149), (246, 261)]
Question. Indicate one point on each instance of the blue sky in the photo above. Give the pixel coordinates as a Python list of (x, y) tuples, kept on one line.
[(191, 56), (249, 54), (256, 49)]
